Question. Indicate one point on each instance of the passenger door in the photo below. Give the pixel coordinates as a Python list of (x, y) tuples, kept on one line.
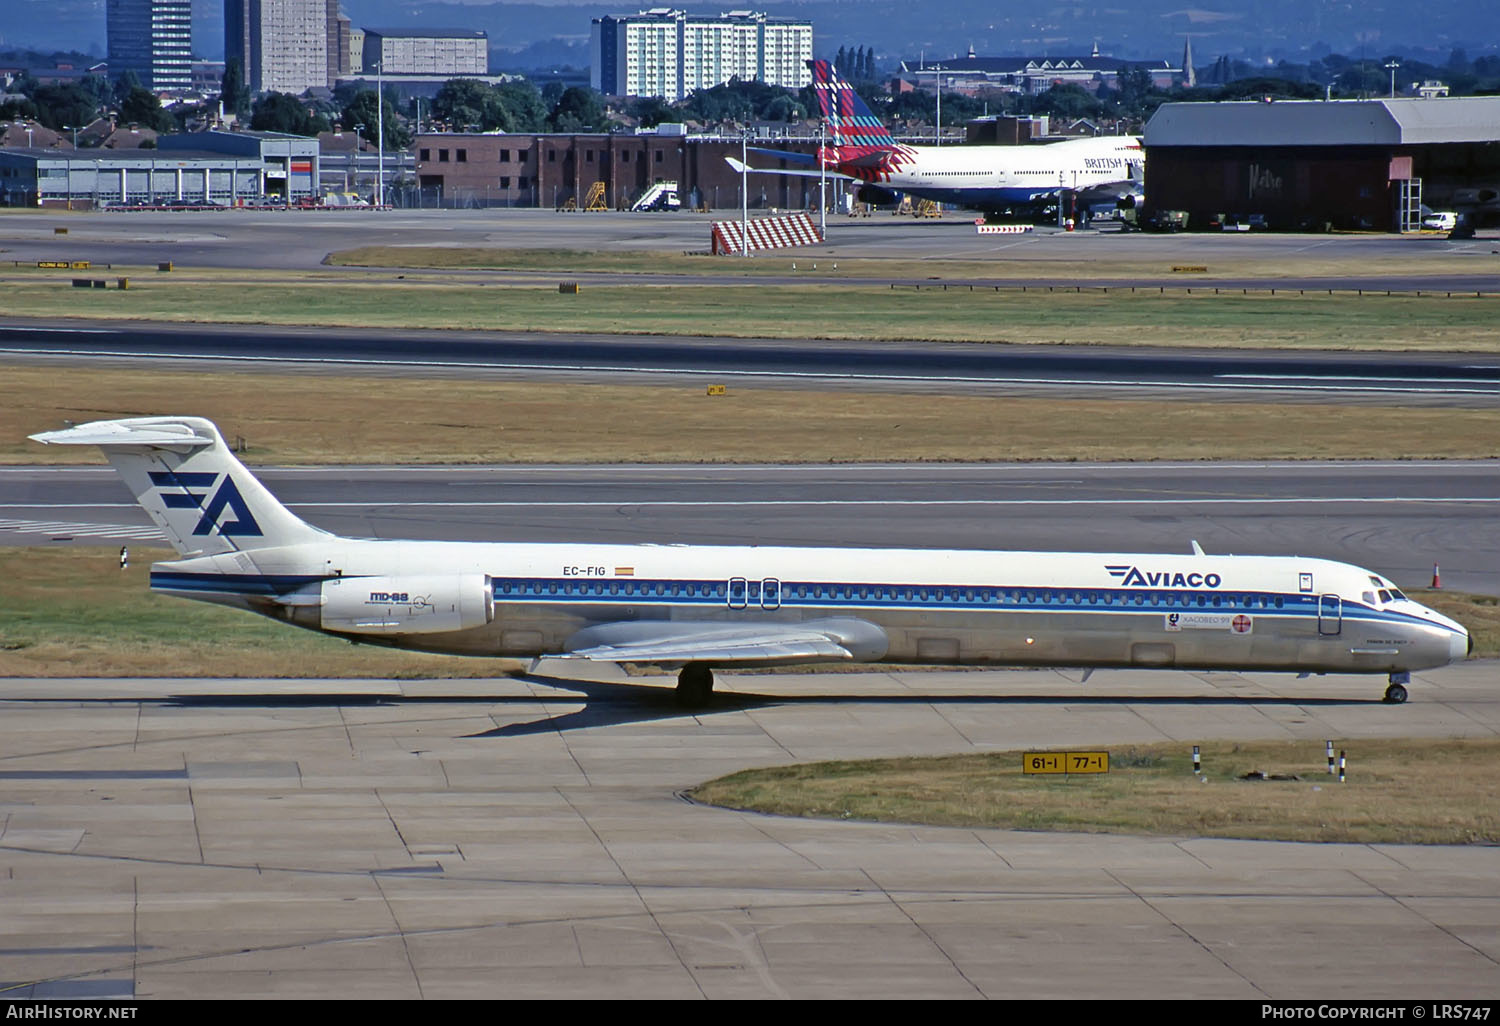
[(1330, 615)]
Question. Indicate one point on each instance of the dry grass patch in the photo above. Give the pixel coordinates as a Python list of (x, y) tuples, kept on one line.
[(307, 419), (1397, 792)]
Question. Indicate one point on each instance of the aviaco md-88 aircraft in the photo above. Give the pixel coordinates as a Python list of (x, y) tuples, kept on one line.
[(987, 178), (697, 608)]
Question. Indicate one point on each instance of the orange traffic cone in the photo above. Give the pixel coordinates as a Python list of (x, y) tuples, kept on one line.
[(1437, 580)]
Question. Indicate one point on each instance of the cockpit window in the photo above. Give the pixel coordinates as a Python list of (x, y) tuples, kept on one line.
[(1385, 596), (1376, 581), (1396, 593), (1369, 597)]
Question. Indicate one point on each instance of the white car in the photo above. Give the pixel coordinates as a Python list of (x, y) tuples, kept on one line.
[(1441, 220)]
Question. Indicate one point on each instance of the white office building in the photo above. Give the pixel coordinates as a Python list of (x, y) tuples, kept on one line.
[(153, 39), (670, 53)]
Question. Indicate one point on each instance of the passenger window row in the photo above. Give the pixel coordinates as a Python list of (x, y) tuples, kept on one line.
[(790, 593)]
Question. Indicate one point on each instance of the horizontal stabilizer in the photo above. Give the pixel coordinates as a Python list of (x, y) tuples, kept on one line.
[(147, 432)]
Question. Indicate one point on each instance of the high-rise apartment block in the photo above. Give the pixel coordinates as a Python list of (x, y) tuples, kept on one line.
[(282, 45), (153, 39), (338, 43), (669, 53)]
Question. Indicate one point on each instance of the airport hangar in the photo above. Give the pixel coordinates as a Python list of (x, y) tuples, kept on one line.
[(223, 168), (1344, 164)]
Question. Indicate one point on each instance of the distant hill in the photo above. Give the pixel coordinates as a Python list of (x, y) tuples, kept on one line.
[(934, 29)]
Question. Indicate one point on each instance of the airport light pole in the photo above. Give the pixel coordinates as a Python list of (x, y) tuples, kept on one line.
[(822, 182), (938, 131), (357, 130), (745, 192), (1391, 66), (380, 131)]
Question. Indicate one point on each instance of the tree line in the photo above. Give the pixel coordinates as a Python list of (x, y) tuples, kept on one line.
[(519, 106)]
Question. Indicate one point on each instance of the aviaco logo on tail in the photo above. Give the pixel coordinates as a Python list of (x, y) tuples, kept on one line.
[(1134, 577), (194, 487)]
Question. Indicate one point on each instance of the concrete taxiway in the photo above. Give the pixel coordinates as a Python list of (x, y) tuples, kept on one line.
[(526, 838), (299, 240), (946, 368)]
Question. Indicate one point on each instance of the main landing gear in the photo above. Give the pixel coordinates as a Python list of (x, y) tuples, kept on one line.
[(1395, 692), (695, 685)]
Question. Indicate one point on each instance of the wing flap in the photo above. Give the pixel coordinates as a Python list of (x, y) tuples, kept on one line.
[(750, 650), (743, 643)]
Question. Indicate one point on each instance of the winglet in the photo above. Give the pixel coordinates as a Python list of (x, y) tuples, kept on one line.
[(1197, 549)]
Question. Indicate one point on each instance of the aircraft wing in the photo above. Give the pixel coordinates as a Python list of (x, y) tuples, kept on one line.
[(740, 168), (678, 641), (792, 156)]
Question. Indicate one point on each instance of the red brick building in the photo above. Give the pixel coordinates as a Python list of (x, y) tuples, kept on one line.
[(543, 170)]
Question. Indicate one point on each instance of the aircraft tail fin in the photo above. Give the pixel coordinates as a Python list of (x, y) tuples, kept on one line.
[(852, 128), (191, 484)]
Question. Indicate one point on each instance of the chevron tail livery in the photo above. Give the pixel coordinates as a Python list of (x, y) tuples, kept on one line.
[(696, 608), (989, 178)]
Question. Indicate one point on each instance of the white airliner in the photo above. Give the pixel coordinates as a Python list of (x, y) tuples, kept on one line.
[(989, 178), (701, 607)]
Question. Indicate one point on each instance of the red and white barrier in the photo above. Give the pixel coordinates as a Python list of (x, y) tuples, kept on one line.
[(1001, 229), (765, 233)]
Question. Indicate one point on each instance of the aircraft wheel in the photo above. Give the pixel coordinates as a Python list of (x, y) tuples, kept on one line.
[(695, 685), (1395, 694)]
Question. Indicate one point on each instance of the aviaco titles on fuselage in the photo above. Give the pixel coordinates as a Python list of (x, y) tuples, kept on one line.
[(701, 607), (988, 178)]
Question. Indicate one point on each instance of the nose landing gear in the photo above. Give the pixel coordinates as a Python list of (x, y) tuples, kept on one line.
[(1395, 692)]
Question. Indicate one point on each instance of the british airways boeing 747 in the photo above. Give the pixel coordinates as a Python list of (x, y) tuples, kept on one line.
[(988, 178), (697, 608)]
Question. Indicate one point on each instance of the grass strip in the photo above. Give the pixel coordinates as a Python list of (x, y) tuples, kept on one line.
[(1397, 792), (1016, 265), (313, 418), (857, 312)]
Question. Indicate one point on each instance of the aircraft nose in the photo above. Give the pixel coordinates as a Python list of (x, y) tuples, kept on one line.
[(1460, 645)]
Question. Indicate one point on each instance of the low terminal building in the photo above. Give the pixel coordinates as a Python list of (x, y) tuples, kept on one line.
[(1312, 164)]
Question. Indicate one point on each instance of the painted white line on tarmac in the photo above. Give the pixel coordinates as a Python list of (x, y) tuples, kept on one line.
[(583, 368)]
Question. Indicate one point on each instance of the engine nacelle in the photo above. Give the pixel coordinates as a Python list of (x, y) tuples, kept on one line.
[(422, 604), (876, 196)]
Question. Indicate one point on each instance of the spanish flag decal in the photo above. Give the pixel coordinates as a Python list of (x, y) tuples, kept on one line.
[(624, 571)]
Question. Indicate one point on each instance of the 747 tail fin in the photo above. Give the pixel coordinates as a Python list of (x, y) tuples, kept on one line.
[(853, 129), (193, 487)]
